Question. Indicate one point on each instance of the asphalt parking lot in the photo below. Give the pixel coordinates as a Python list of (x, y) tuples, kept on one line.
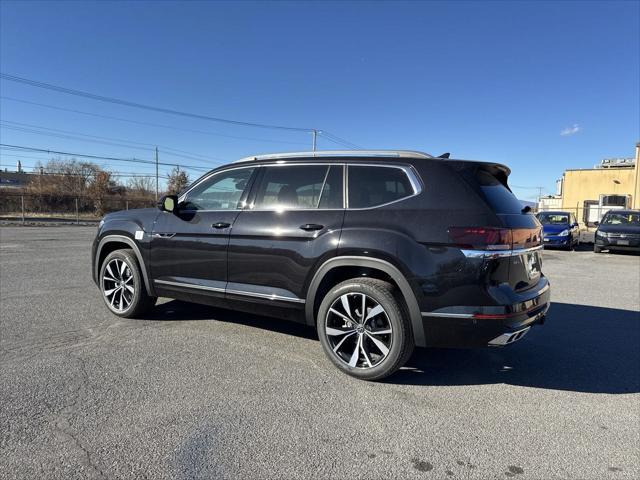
[(195, 392)]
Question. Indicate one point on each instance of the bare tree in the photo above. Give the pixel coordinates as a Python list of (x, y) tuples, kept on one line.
[(100, 186), (178, 181), (141, 186)]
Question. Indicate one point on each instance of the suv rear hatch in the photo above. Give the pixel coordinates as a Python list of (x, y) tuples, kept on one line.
[(515, 246)]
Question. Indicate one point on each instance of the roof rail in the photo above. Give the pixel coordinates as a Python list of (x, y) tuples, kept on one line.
[(338, 153)]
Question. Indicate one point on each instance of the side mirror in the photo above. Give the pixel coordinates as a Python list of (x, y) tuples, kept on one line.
[(168, 203)]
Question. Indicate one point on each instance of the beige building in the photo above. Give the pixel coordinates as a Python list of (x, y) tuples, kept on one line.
[(590, 193)]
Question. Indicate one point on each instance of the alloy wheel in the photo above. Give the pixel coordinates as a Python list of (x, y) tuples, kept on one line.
[(118, 286), (358, 330)]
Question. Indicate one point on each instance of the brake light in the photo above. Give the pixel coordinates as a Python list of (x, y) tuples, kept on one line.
[(481, 238), (526, 237), (492, 238)]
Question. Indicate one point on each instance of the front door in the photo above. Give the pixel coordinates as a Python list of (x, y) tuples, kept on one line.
[(292, 222), (189, 248)]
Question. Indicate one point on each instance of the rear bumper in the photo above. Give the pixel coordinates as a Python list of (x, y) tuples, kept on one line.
[(477, 326)]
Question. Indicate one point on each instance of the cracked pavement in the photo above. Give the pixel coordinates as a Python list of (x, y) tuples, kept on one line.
[(197, 392)]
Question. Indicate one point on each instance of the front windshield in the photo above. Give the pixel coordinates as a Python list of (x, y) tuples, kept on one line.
[(553, 218), (621, 219)]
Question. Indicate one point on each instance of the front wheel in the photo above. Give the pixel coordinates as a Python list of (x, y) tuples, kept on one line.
[(597, 249), (122, 286), (363, 328), (569, 246)]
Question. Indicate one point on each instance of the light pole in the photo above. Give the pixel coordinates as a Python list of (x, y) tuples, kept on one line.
[(156, 174)]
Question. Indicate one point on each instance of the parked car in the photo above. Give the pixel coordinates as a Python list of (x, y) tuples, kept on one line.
[(560, 229), (618, 230), (380, 251)]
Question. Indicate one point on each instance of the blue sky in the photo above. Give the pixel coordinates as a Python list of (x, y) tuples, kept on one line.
[(496, 81)]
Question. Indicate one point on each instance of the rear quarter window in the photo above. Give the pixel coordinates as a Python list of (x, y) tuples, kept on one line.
[(372, 186)]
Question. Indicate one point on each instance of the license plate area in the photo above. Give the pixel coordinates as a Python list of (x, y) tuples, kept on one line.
[(532, 262), (622, 242)]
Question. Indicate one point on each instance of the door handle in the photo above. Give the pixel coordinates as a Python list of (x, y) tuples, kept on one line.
[(309, 227), (221, 225)]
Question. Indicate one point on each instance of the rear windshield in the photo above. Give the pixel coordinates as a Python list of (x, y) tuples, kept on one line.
[(499, 197), (553, 219), (621, 219)]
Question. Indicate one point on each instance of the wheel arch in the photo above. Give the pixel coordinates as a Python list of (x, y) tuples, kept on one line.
[(341, 268), (111, 243)]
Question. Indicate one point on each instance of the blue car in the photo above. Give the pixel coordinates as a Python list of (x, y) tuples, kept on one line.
[(560, 229)]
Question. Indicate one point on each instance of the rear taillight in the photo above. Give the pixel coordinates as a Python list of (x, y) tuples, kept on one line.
[(481, 238), (526, 237), (491, 238)]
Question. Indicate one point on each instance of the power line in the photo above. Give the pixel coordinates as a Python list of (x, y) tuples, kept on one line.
[(102, 165), (338, 140), (99, 157), (55, 172), (127, 103), (50, 132), (18, 126), (151, 124), (69, 137)]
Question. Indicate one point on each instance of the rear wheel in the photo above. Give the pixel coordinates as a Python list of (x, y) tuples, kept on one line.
[(363, 328), (122, 286)]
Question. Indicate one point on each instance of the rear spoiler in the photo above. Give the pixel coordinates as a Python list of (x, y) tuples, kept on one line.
[(498, 170)]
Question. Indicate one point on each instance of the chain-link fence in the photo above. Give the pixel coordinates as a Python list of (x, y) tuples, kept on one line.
[(29, 207)]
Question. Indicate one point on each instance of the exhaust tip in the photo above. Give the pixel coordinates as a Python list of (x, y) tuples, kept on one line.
[(508, 338)]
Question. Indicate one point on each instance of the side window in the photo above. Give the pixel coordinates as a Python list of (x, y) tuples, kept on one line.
[(370, 186), (220, 192), (297, 186)]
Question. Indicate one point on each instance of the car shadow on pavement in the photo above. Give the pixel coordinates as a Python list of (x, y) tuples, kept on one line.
[(580, 348), (177, 310)]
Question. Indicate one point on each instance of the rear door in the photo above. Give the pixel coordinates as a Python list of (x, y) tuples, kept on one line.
[(292, 222), (189, 248)]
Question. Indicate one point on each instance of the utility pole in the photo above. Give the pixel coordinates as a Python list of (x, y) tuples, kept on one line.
[(156, 174), (314, 134)]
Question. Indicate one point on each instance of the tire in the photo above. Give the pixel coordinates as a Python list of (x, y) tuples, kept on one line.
[(360, 338), (119, 274), (597, 249), (569, 245)]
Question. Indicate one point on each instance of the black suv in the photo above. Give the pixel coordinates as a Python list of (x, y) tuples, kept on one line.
[(618, 230), (380, 251)]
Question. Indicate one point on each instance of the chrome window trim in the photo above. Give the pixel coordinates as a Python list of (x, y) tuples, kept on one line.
[(409, 170), (412, 175), (498, 253), (207, 177), (316, 164)]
